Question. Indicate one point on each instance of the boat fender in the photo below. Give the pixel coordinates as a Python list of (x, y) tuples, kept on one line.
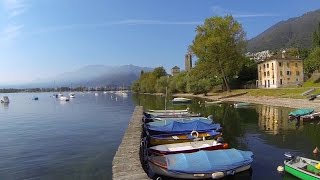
[(217, 175), (194, 133)]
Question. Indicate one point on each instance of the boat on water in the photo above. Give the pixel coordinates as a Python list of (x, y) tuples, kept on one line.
[(303, 168), (4, 99), (35, 98), (165, 121), (182, 137), (300, 112), (212, 102), (241, 104), (202, 164), (167, 111), (64, 98), (182, 127), (96, 94), (181, 100), (72, 95), (188, 147)]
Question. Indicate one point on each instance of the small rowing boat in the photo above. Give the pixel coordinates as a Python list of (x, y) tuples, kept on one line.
[(303, 168)]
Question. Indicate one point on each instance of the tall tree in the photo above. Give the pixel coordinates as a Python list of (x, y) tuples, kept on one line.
[(220, 42), (316, 37)]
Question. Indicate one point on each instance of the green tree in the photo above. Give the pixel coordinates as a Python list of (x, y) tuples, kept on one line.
[(312, 63), (162, 84), (159, 72), (316, 37), (220, 44)]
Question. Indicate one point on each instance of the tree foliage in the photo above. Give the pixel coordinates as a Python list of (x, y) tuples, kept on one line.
[(312, 63), (316, 37), (220, 44)]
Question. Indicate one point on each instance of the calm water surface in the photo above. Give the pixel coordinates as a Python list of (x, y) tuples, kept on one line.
[(49, 139)]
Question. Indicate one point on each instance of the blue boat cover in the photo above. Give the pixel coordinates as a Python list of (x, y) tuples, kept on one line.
[(169, 136), (176, 127), (208, 161), (166, 121), (301, 112)]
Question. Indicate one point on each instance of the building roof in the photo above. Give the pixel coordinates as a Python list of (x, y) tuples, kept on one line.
[(175, 67), (279, 57)]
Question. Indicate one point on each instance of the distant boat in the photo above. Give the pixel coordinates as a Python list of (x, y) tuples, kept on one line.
[(72, 95), (300, 112), (241, 104), (35, 98), (4, 99), (181, 100), (96, 94), (302, 168), (63, 98), (104, 92)]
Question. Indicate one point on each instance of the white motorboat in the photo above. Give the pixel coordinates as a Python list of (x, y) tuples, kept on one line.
[(181, 100), (63, 98), (96, 94), (72, 95), (4, 99)]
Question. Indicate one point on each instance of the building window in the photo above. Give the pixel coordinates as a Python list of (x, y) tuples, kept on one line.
[(264, 66), (272, 66), (273, 81), (297, 73), (280, 81), (280, 73), (260, 68), (268, 74), (288, 79), (297, 79), (280, 64), (287, 64), (264, 74), (296, 64), (268, 65), (288, 73)]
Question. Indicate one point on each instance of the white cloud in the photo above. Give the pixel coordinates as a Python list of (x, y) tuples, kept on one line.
[(127, 22), (219, 11), (14, 7)]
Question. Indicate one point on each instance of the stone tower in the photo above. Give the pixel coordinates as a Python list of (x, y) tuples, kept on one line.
[(188, 62)]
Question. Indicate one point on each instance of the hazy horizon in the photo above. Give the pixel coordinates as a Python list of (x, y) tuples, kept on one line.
[(42, 39)]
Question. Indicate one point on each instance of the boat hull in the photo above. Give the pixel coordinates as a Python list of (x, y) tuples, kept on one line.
[(179, 139), (299, 173), (212, 175)]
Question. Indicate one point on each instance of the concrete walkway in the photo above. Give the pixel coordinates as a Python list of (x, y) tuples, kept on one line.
[(126, 163)]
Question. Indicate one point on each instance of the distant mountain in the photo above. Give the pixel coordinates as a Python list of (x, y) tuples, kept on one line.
[(294, 32), (94, 75)]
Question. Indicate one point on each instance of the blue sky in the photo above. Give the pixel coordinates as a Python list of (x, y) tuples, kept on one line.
[(43, 38)]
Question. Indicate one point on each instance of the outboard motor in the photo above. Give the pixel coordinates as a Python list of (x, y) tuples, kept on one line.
[(288, 156), (220, 140)]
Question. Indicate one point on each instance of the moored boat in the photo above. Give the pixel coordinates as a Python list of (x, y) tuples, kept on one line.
[(181, 100), (300, 112), (188, 147), (4, 99), (63, 98), (202, 164), (241, 104), (182, 137), (35, 98), (303, 168), (182, 127)]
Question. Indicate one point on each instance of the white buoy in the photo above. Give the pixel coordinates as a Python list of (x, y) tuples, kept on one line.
[(280, 169)]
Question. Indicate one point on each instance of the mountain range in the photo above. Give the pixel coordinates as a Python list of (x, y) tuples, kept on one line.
[(294, 32), (92, 76)]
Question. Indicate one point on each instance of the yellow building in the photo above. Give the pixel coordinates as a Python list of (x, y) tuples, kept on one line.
[(280, 71), (175, 70)]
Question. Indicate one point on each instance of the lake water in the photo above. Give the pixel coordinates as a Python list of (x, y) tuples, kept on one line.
[(49, 139)]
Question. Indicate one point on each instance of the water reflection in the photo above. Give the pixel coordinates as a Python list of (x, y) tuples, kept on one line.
[(274, 119)]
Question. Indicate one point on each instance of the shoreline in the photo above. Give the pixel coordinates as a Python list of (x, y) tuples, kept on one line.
[(264, 100)]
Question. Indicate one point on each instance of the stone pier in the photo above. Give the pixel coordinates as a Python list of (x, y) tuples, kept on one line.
[(126, 163)]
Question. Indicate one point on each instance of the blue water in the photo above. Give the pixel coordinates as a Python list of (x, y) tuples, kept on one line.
[(49, 139)]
